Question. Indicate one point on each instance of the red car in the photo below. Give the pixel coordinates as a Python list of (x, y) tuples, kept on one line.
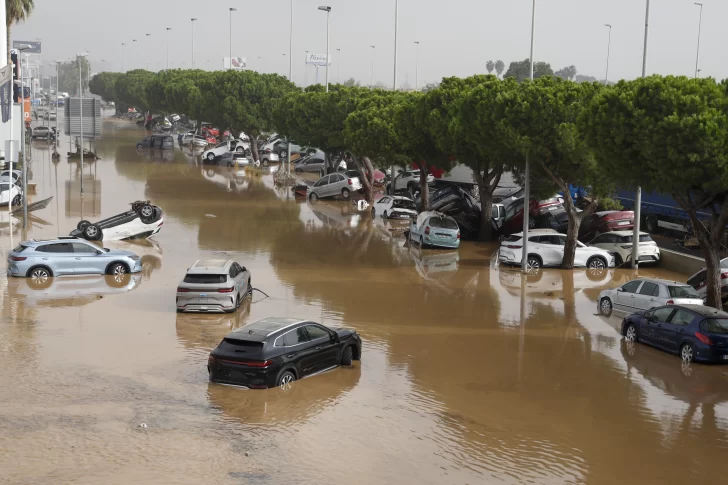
[(210, 131), (513, 220), (605, 221)]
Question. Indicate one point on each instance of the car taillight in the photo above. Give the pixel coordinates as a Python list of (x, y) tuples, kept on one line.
[(17, 258), (265, 363), (210, 360), (350, 182), (427, 230), (703, 338), (669, 302), (458, 234), (183, 290), (724, 276), (513, 246), (225, 290)]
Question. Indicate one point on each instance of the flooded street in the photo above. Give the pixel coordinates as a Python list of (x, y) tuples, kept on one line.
[(469, 374)]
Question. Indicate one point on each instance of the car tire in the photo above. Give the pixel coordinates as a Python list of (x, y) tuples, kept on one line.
[(146, 213), (596, 262), (286, 379), (347, 356), (92, 232), (240, 149), (630, 333), (139, 146), (687, 353), (283, 154), (264, 162), (605, 307), (618, 261), (532, 223), (211, 157), (17, 200), (39, 277), (385, 215), (313, 197), (345, 193), (651, 225), (298, 171), (117, 269), (82, 225), (534, 261)]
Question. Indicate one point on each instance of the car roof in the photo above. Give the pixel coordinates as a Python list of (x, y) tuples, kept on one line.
[(661, 281), (624, 233), (706, 311), (532, 232), (264, 328), (207, 266), (400, 197), (38, 242)]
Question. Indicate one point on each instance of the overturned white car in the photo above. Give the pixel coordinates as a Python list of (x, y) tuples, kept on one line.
[(143, 221)]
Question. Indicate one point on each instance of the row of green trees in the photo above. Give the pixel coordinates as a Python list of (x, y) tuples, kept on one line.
[(668, 134)]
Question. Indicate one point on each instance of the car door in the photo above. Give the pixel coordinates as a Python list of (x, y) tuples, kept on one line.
[(647, 296), (652, 331), (87, 259), (61, 258), (674, 330), (550, 248), (625, 296), (335, 184), (320, 186), (381, 205), (326, 349), (297, 348)]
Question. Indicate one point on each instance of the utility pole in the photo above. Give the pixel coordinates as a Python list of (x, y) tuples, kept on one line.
[(168, 29), (527, 188), (396, 14), (609, 47)]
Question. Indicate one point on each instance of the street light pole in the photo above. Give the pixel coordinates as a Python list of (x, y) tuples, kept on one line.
[(371, 80), (80, 99), (328, 60), (527, 188), (638, 192), (122, 56), (230, 39), (417, 67), (168, 29), (609, 46), (338, 65), (305, 70), (20, 50), (396, 14), (700, 26), (192, 21), (133, 54), (58, 73), (290, 62)]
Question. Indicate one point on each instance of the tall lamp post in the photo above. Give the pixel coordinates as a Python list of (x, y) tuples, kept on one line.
[(133, 54), (192, 21), (527, 188), (290, 62), (417, 66), (328, 60), (338, 66), (230, 39), (396, 14), (20, 50), (609, 46), (305, 70), (122, 56), (168, 29), (700, 26), (80, 103), (58, 74), (371, 79)]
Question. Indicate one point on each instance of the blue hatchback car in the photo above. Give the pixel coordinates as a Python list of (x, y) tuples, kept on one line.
[(695, 332), (435, 229)]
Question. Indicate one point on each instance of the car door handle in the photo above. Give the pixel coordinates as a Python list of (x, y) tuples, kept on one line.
[(318, 348), (290, 356)]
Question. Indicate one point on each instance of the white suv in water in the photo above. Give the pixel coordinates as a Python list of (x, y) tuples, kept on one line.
[(546, 248)]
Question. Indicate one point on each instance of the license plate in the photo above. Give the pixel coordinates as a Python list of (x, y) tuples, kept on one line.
[(203, 308), (203, 295), (623, 223)]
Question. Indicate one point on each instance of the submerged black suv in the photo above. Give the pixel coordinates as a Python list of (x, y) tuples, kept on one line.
[(277, 351)]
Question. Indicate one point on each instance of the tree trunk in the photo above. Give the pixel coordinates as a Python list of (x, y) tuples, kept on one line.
[(254, 147), (424, 189), (364, 165), (713, 297), (572, 234)]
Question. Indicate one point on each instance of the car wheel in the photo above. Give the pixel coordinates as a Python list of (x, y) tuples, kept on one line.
[(630, 333), (596, 263), (146, 212), (211, 157), (82, 225), (139, 146), (686, 353), (618, 261), (422, 242), (237, 302), (313, 197), (39, 277), (264, 162), (385, 215), (92, 232), (298, 170), (346, 356), (117, 269), (286, 379), (239, 149), (533, 262), (345, 193), (531, 223), (17, 200), (605, 307)]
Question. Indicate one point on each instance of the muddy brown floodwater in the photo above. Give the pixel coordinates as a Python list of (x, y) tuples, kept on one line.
[(469, 375)]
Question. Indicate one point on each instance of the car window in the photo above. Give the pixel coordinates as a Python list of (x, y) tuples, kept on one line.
[(599, 239), (44, 248), (337, 177), (316, 332), (443, 222), (233, 271), (205, 278), (81, 248), (238, 268), (649, 289), (683, 292), (323, 181), (384, 200), (662, 314), (715, 325), (724, 263), (294, 337), (632, 286), (405, 204), (536, 239), (682, 317)]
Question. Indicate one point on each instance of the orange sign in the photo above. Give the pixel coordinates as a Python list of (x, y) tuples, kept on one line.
[(26, 107)]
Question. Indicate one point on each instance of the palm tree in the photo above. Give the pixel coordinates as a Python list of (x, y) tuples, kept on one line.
[(490, 65), (499, 66), (15, 11)]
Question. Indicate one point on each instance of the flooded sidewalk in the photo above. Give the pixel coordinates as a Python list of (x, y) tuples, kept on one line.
[(470, 373)]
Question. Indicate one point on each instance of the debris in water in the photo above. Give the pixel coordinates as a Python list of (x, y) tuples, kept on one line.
[(247, 454), (211, 216), (143, 425)]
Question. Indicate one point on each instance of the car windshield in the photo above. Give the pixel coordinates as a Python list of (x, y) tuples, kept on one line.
[(205, 278), (683, 292), (404, 204), (443, 222), (724, 263), (715, 325), (643, 238), (512, 238)]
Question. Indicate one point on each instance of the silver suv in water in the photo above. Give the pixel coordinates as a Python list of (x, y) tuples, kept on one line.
[(213, 286)]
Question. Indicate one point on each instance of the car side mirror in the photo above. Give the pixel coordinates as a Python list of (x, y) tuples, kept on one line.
[(620, 290), (334, 337)]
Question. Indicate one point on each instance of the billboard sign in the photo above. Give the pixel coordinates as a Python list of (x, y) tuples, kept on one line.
[(317, 59), (34, 46), (238, 63)]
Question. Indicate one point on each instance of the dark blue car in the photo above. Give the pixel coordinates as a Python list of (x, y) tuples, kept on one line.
[(695, 332)]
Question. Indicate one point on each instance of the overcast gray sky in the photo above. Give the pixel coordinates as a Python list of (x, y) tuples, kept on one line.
[(456, 37)]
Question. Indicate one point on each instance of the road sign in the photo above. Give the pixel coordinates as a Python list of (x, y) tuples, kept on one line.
[(238, 63), (317, 59), (34, 46)]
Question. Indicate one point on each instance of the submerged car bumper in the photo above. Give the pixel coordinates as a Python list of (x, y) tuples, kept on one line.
[(451, 242), (231, 373), (716, 355)]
